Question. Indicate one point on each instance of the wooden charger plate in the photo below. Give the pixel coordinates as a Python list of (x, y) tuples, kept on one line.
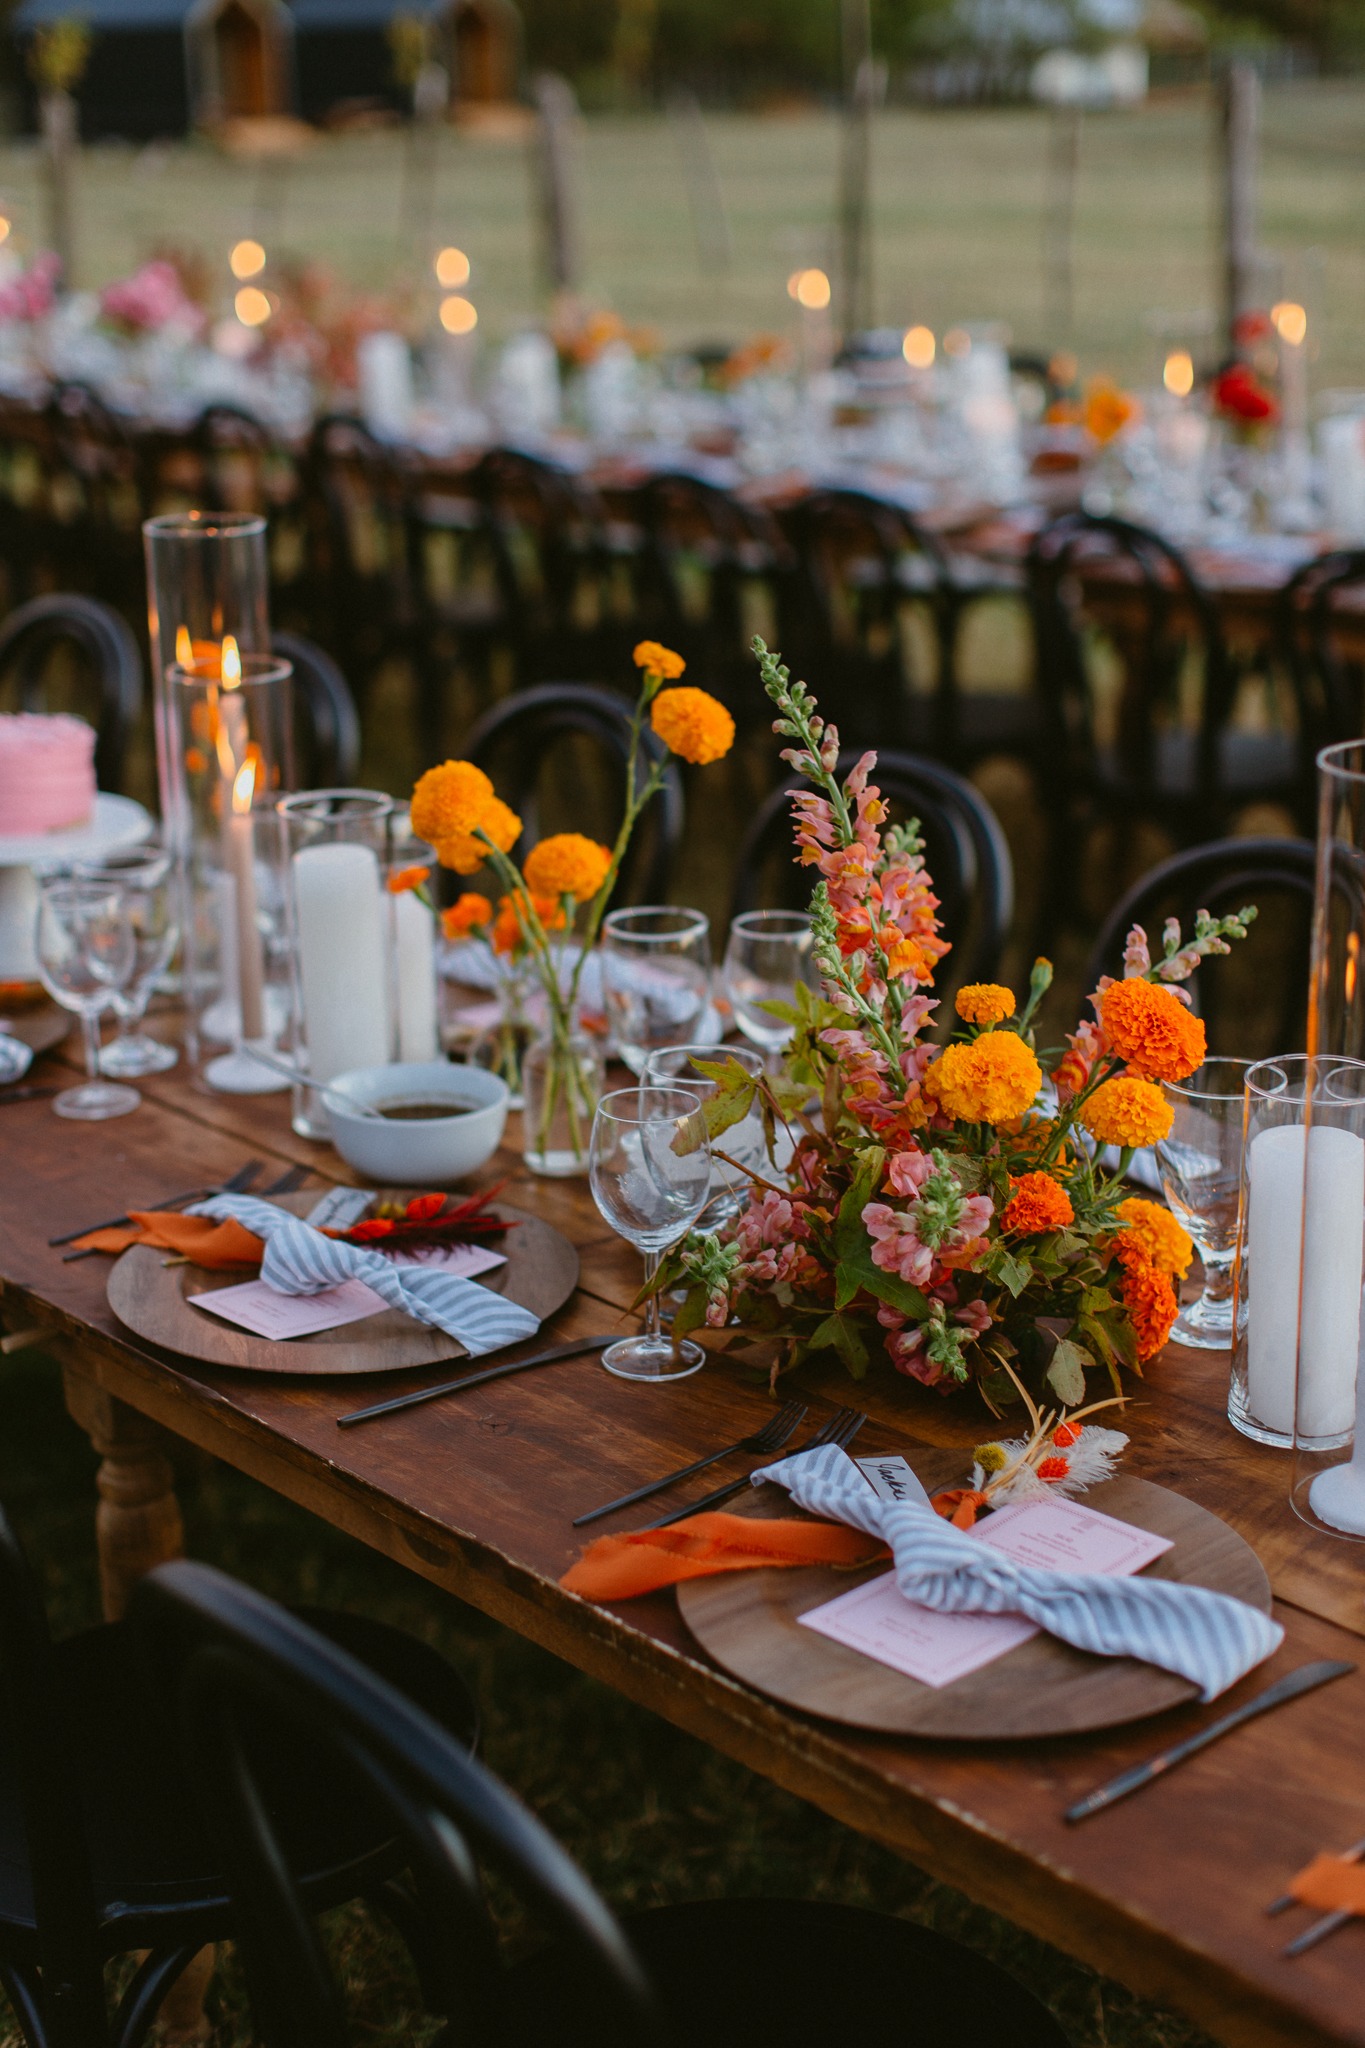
[(150, 1298), (41, 1025), (747, 1622)]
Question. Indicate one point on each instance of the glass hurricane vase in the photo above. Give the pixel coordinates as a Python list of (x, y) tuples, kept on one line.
[(562, 1078)]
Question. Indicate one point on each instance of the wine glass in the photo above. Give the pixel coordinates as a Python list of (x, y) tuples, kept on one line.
[(769, 954), (143, 874), (650, 1192), (744, 1142), (86, 950), (1200, 1163), (656, 978)]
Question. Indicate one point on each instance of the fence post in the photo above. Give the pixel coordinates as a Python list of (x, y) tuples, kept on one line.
[(558, 110), (1240, 111), (705, 195), (1059, 223), (864, 81)]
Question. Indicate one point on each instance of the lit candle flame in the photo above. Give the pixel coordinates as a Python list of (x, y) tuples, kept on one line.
[(918, 347), (1290, 322), (231, 664), (1178, 373), (184, 647), (244, 787)]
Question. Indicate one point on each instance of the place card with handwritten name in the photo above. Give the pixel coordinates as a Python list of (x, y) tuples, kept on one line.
[(1054, 1533)]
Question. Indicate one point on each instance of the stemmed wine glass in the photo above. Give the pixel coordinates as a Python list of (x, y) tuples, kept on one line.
[(143, 874), (650, 1192), (1200, 1163), (86, 950), (769, 953), (656, 977), (744, 1141)]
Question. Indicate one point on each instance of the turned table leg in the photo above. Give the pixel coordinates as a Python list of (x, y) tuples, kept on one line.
[(137, 1527)]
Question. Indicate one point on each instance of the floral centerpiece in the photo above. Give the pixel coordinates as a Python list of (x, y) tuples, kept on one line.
[(552, 906), (944, 1205)]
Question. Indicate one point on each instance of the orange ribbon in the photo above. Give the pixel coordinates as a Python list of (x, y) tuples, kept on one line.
[(619, 1567), (217, 1246), (959, 1505), (1331, 1885)]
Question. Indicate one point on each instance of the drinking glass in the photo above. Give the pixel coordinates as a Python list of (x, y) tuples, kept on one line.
[(86, 950), (144, 877), (770, 953), (743, 1142), (650, 1193), (1201, 1172), (656, 978)]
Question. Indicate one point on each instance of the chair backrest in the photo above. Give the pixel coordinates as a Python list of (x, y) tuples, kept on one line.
[(1255, 1001), (327, 725), (68, 1952), (1086, 568), (1322, 644), (542, 526), (105, 644), (517, 742), (242, 1671), (964, 848)]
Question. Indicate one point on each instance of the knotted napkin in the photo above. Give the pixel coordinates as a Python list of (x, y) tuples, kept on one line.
[(300, 1260), (1206, 1637)]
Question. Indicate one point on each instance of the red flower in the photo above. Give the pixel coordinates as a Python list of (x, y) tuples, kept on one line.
[(377, 1226), (1239, 394), (422, 1207)]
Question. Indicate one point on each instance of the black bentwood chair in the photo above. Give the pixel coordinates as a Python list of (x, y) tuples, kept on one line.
[(1254, 1001), (326, 723), (964, 847), (567, 741), (102, 1846), (248, 1676), (105, 651)]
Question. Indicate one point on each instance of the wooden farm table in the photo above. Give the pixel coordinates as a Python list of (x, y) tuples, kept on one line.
[(1166, 1891)]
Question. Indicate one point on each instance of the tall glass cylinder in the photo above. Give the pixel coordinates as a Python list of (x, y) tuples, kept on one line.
[(230, 758), (207, 581), (1328, 1486), (335, 851)]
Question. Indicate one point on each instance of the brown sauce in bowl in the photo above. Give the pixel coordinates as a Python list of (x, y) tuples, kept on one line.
[(421, 1112)]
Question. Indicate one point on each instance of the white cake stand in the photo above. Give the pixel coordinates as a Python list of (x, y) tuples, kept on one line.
[(115, 823)]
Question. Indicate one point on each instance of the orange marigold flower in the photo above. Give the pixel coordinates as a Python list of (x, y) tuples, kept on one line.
[(1149, 1298), (1127, 1111), (450, 801), (1107, 409), (1052, 1469), (1150, 1027), (468, 913), (985, 1002), (991, 1081), (407, 878), (465, 854), (693, 724), (507, 926), (657, 660), (1169, 1248), (1037, 1203), (567, 865)]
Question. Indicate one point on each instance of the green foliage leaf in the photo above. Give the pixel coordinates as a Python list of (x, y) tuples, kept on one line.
[(841, 1333), (1066, 1373)]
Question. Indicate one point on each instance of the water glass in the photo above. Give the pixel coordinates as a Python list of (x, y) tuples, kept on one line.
[(1201, 1173), (770, 953), (86, 950), (650, 1192), (656, 978), (144, 876), (744, 1143)]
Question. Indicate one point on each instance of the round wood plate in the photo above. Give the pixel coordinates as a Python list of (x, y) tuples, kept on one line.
[(40, 1025), (150, 1299), (747, 1621)]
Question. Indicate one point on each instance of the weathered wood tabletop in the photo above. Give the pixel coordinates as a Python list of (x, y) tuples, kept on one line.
[(1166, 1891)]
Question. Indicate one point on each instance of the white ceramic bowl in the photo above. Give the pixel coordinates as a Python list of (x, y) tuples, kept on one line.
[(426, 1151)]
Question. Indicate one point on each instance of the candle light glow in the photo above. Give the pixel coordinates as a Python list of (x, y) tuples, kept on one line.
[(1178, 373), (458, 316), (918, 348), (252, 306), (810, 288), (247, 259), (452, 269), (1290, 322)]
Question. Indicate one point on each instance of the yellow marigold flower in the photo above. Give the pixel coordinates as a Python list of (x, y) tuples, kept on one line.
[(466, 914), (656, 660), (1149, 1026), (450, 801), (1167, 1246), (567, 865), (1127, 1111), (693, 724), (985, 1002), (991, 1081), (466, 854)]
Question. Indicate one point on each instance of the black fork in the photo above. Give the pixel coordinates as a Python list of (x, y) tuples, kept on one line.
[(774, 1433), (840, 1429)]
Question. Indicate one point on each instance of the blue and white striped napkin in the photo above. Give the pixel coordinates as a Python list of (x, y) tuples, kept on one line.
[(1207, 1637), (300, 1260)]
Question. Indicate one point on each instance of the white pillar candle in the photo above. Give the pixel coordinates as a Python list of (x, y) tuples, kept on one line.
[(341, 959), (414, 932), (1333, 1243)]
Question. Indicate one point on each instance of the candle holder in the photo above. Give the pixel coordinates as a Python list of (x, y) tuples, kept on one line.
[(336, 850), (230, 729), (411, 940)]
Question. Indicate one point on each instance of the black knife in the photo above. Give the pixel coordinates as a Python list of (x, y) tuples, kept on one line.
[(1305, 1679), (476, 1379)]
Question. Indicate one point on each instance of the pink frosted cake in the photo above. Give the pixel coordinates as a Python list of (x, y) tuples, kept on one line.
[(47, 773)]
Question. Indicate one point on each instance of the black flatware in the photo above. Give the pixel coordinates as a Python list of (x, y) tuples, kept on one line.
[(237, 1184), (475, 1379), (293, 1177), (1290, 1687), (771, 1437), (25, 1095), (1329, 1922), (841, 1429)]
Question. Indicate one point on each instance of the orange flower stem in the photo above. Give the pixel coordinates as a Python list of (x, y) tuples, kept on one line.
[(749, 1174)]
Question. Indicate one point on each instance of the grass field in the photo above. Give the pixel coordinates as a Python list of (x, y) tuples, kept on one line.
[(959, 216)]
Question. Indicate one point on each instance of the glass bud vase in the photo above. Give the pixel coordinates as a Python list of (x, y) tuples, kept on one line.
[(562, 1078), (502, 1046)]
